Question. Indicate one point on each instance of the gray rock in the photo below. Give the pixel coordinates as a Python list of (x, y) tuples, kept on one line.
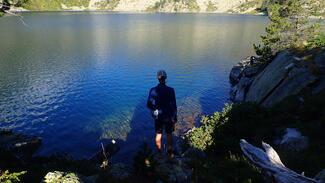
[(269, 78), (320, 62), (320, 176), (174, 170), (235, 74), (296, 80), (238, 92), (120, 171), (246, 62), (293, 140), (320, 85), (251, 71), (247, 67)]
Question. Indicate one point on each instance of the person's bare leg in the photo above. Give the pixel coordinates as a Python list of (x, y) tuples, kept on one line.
[(169, 141), (158, 141), (170, 145)]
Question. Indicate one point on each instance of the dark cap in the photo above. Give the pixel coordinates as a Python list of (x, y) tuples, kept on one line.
[(161, 74)]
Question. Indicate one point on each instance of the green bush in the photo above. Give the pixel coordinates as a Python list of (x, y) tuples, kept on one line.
[(192, 5), (6, 177), (211, 7), (202, 137), (318, 41)]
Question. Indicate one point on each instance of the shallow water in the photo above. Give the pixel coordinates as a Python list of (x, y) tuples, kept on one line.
[(76, 79)]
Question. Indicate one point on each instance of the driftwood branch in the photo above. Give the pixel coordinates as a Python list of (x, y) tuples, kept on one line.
[(270, 164)]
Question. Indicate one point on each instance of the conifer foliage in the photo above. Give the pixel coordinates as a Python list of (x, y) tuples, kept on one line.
[(291, 26)]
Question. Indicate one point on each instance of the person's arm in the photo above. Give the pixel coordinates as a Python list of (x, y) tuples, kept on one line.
[(174, 106), (150, 101)]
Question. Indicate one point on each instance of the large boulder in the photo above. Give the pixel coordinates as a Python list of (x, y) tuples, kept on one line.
[(247, 67), (287, 74), (235, 74), (295, 81), (238, 92), (269, 78)]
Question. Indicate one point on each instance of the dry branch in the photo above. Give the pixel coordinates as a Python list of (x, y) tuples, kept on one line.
[(271, 165)]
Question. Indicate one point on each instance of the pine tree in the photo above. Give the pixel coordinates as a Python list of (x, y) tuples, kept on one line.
[(289, 27)]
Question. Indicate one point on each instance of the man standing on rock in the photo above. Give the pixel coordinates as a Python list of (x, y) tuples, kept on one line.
[(162, 103)]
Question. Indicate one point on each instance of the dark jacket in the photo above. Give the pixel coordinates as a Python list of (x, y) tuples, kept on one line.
[(163, 98)]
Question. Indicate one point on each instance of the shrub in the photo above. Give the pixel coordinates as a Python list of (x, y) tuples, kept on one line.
[(7, 177), (211, 7), (318, 41), (202, 137)]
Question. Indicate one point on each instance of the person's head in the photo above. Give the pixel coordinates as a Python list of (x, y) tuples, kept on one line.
[(161, 76)]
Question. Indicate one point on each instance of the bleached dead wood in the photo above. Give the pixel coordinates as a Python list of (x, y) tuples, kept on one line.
[(270, 164)]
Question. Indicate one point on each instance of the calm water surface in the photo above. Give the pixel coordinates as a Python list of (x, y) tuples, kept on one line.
[(76, 79)]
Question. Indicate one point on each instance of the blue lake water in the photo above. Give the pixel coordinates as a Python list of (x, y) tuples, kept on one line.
[(76, 79)]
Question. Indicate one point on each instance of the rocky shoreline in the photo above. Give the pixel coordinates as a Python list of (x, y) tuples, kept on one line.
[(18, 151), (289, 73)]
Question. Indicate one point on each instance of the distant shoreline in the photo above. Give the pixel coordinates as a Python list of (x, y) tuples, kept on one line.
[(129, 12)]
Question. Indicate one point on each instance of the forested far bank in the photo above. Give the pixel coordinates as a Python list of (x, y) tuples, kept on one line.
[(212, 6)]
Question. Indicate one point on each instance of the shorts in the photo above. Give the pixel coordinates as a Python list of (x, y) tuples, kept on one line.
[(160, 125)]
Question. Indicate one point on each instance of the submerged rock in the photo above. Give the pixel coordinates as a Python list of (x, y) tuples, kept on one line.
[(18, 144)]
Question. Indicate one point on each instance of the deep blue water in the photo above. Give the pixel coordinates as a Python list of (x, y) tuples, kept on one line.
[(76, 79)]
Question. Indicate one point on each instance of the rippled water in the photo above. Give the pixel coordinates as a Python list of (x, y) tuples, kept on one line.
[(76, 79)]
